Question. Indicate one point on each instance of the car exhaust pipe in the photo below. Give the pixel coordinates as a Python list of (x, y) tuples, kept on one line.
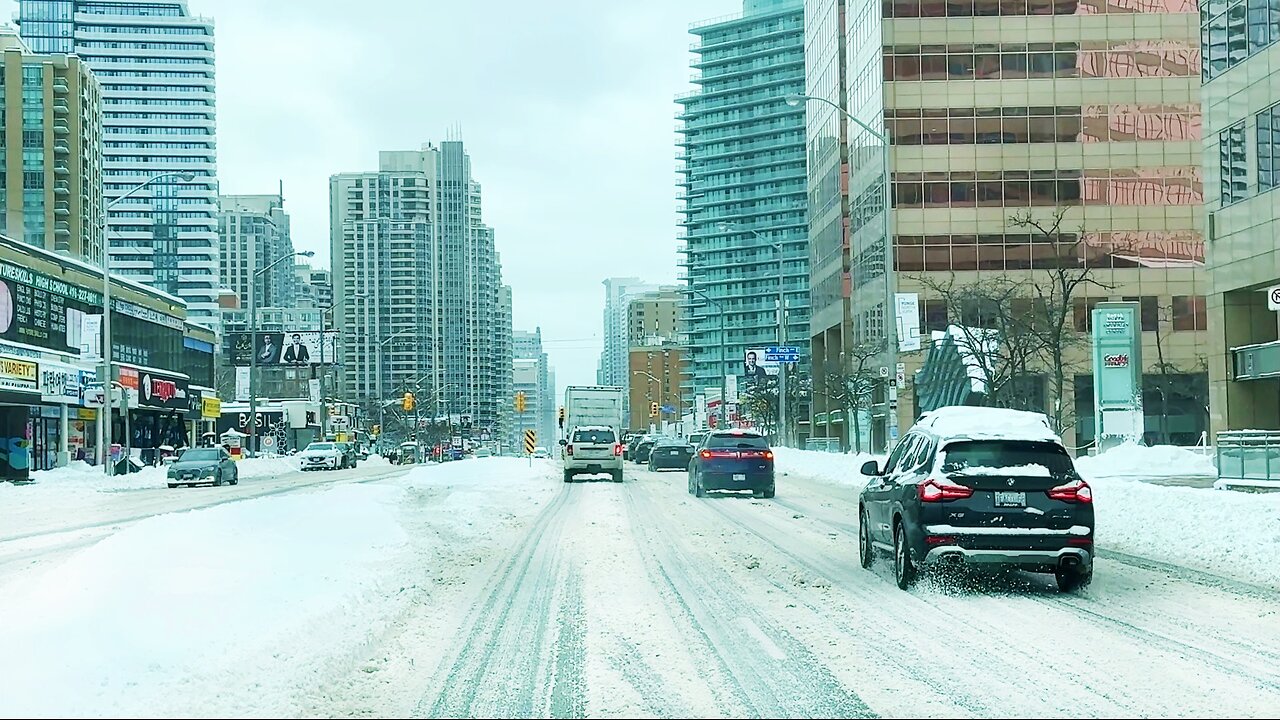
[(1069, 562), (953, 558)]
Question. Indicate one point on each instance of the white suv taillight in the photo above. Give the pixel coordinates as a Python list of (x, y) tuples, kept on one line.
[(568, 449), (617, 449)]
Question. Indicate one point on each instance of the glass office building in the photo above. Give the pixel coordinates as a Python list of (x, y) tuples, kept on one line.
[(742, 180), (1241, 73), (155, 63), (997, 109)]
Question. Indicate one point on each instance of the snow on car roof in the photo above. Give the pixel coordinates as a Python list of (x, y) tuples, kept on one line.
[(963, 421)]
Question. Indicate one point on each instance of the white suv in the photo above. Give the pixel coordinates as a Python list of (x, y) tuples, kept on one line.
[(592, 449)]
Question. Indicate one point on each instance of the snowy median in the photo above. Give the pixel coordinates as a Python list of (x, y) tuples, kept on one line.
[(1225, 533)]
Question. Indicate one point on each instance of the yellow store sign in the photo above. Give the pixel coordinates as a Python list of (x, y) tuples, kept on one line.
[(18, 375), (211, 407)]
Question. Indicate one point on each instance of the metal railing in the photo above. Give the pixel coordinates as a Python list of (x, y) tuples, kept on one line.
[(1249, 458)]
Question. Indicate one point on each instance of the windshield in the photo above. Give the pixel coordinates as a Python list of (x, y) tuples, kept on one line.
[(320, 446), (740, 442), (599, 437), (199, 454), (1025, 457)]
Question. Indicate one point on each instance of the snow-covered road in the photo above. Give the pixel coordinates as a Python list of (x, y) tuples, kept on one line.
[(491, 588)]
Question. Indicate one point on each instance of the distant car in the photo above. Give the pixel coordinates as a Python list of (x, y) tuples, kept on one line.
[(732, 460), (670, 453), (196, 466), (483, 452), (695, 439), (629, 444), (979, 486), (541, 452), (349, 455), (641, 453), (321, 456)]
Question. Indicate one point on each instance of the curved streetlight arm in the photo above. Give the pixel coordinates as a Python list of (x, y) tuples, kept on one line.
[(188, 177), (795, 100), (302, 253)]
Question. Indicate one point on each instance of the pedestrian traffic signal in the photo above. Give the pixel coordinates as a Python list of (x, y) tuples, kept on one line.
[(653, 409), (520, 402), (408, 401)]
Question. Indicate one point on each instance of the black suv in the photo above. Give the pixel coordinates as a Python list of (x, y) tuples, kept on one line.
[(979, 486)]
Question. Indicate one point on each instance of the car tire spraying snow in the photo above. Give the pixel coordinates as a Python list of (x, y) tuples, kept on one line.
[(1070, 580), (904, 572), (866, 551)]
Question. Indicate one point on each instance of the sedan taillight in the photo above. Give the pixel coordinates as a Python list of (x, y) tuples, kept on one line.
[(1076, 491), (940, 489), (705, 454)]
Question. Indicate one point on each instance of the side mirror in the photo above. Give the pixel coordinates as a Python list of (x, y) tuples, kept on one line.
[(563, 441), (870, 467)]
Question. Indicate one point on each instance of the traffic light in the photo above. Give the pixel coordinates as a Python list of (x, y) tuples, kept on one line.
[(375, 430), (408, 402), (653, 409), (520, 402), (561, 416)]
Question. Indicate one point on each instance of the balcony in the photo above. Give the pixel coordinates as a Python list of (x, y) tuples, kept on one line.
[(60, 127), (61, 147), (60, 85), (61, 189), (60, 107), (61, 209), (61, 227)]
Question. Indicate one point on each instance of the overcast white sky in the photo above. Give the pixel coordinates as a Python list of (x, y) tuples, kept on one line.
[(565, 107)]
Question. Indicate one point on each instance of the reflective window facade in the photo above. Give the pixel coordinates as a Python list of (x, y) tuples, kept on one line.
[(1233, 168), (990, 8), (1268, 139), (1116, 59), (1013, 125), (1233, 30)]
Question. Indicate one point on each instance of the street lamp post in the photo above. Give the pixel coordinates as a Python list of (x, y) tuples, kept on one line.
[(381, 344), (724, 400), (782, 328), (661, 399), (104, 422), (890, 309), (324, 412), (253, 340)]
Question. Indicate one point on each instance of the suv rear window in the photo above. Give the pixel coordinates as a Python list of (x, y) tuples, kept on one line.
[(1005, 453), (738, 441), (593, 436)]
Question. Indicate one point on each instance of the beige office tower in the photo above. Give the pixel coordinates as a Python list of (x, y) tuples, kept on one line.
[(998, 109), (51, 146)]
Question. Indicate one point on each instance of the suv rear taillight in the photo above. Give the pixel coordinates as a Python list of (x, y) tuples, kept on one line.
[(617, 449), (940, 489), (568, 449), (1076, 491)]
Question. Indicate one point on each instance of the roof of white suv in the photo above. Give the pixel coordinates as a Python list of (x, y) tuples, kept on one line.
[(966, 422)]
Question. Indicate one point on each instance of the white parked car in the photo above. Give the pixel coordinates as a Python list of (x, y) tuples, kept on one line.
[(321, 456)]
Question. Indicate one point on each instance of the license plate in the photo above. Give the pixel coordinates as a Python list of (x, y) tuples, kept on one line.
[(1009, 498), (739, 476), (674, 452)]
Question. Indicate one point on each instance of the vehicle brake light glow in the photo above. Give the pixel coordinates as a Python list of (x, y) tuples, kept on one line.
[(1076, 491), (768, 455), (705, 454), (940, 489), (617, 449), (568, 449)]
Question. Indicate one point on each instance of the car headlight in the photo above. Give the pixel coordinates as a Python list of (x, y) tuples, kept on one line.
[(172, 473), (207, 471)]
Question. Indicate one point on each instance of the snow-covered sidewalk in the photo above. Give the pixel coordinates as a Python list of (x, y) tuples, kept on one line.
[(245, 607)]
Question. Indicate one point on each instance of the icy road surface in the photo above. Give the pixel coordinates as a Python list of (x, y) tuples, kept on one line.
[(491, 588)]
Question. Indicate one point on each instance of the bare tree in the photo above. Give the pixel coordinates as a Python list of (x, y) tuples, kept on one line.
[(1170, 380), (852, 387), (759, 401), (1058, 277)]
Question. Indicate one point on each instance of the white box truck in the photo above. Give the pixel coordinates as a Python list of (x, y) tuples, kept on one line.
[(591, 441)]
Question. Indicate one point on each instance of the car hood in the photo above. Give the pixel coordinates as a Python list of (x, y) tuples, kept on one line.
[(194, 465)]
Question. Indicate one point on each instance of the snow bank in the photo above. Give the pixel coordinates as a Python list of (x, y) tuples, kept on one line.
[(1224, 533), (82, 477), (1132, 460), (835, 468), (199, 612)]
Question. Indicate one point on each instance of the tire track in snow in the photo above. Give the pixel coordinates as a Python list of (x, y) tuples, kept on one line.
[(1020, 666), (794, 685), (521, 655)]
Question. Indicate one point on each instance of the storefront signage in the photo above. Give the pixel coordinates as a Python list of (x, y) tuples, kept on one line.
[(163, 391), (39, 310), (211, 407), (20, 375), (61, 383), (146, 313), (1115, 361)]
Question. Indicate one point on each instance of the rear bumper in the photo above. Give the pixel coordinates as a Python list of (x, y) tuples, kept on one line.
[(593, 466), (659, 461), (725, 481), (1032, 559)]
